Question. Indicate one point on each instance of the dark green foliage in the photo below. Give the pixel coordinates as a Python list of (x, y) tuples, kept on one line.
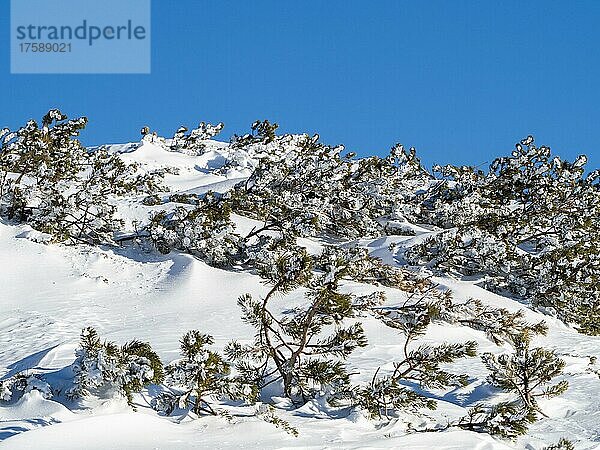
[(385, 396), (141, 351), (421, 365), (527, 372), (50, 181), (499, 324), (188, 199), (303, 349), (206, 231), (152, 200), (263, 132), (530, 225), (506, 420), (195, 141), (102, 366), (199, 378), (562, 444)]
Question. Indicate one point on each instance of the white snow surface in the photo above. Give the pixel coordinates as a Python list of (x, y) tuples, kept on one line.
[(48, 293)]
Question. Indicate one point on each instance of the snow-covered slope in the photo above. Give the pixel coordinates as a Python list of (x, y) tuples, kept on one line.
[(48, 293)]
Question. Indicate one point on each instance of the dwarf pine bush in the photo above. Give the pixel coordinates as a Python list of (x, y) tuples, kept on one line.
[(199, 379), (305, 188), (387, 393), (562, 444), (499, 324), (195, 141), (104, 367), (527, 372), (304, 349), (530, 225), (50, 181), (506, 419), (205, 230), (14, 387)]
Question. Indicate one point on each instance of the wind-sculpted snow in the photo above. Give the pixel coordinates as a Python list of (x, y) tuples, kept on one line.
[(49, 293)]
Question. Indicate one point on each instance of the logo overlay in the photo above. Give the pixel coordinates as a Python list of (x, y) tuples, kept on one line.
[(80, 36)]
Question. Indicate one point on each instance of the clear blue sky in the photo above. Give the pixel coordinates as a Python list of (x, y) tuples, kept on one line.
[(459, 80)]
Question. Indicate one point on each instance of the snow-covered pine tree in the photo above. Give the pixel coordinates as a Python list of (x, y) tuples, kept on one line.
[(527, 372), (34, 160), (194, 142), (303, 349), (199, 379), (263, 132), (525, 225), (49, 180), (268, 414), (388, 393), (205, 230), (103, 368), (361, 267), (499, 324), (507, 420), (302, 187), (562, 444), (290, 189), (566, 282), (14, 387)]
